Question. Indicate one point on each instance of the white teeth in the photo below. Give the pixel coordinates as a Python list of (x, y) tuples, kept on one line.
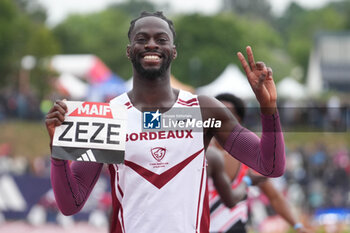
[(151, 57)]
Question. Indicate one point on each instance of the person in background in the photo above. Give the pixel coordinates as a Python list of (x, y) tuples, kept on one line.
[(172, 198), (234, 220)]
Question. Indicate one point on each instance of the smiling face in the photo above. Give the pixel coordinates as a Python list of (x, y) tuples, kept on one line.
[(151, 48)]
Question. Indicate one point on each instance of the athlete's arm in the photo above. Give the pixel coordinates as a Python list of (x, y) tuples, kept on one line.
[(265, 155), (72, 184), (280, 204), (216, 171)]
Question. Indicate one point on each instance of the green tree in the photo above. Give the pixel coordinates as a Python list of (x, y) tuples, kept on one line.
[(207, 44), (103, 34), (134, 7), (258, 9), (288, 18), (299, 27), (8, 18), (32, 9), (343, 8), (23, 32)]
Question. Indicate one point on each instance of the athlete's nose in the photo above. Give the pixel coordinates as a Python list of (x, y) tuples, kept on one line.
[(151, 44)]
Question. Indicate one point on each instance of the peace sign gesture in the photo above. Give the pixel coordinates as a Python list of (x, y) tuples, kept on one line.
[(261, 81)]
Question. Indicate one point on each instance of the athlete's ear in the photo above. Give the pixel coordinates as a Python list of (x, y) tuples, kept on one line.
[(174, 52), (128, 51)]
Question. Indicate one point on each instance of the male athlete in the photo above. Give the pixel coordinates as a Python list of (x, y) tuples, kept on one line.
[(233, 220), (173, 197)]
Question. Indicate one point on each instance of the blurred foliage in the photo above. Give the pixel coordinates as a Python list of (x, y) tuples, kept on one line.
[(134, 7), (8, 19), (257, 9), (343, 8), (23, 32), (206, 44), (103, 34), (299, 27), (33, 9)]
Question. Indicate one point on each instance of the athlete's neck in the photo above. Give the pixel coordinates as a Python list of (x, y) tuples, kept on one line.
[(154, 94)]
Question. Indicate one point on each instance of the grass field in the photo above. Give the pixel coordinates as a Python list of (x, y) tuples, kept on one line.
[(28, 139)]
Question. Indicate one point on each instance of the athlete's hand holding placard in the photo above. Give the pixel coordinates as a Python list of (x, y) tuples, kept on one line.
[(91, 131)]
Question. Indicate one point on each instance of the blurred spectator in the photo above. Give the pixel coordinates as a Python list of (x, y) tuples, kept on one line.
[(19, 105), (334, 112), (41, 166)]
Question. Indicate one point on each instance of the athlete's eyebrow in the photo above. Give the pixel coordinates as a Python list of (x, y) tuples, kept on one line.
[(157, 34), (162, 34)]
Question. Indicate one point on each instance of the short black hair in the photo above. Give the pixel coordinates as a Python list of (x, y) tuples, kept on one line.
[(237, 103), (158, 14)]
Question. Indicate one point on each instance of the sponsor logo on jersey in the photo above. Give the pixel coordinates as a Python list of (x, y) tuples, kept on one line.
[(158, 153)]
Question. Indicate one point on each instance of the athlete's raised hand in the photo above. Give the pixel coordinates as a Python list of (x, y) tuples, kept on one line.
[(261, 81), (55, 117)]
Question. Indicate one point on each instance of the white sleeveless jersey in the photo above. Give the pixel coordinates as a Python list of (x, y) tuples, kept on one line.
[(162, 186)]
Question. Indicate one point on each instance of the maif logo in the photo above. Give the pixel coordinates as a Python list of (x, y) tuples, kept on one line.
[(152, 120), (158, 153), (93, 109)]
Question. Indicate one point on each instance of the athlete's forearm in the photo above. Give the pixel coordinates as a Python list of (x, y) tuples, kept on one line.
[(278, 202), (281, 206), (73, 184), (265, 155)]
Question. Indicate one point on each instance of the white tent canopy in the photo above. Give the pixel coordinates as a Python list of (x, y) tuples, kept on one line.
[(76, 88), (232, 81), (77, 65), (289, 88)]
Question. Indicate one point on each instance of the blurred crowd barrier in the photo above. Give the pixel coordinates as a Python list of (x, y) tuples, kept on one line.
[(316, 183), (26, 194)]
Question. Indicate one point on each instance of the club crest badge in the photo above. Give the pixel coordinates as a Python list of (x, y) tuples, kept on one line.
[(158, 153)]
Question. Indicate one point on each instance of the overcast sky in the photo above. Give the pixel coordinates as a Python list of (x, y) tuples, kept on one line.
[(58, 10)]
